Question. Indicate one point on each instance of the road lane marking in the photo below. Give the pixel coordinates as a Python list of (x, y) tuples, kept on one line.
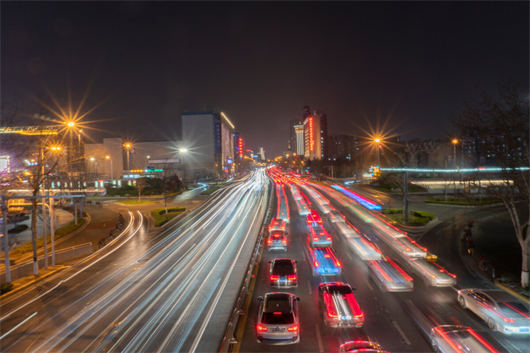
[(368, 284), (309, 287), (17, 326), (319, 338), (348, 253), (401, 333)]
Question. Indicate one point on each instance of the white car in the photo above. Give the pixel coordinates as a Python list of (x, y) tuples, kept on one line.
[(278, 320), (500, 310), (458, 339)]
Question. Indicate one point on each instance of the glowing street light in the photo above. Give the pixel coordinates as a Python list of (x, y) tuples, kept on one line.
[(378, 141), (183, 150), (455, 142), (128, 146), (71, 124), (111, 172)]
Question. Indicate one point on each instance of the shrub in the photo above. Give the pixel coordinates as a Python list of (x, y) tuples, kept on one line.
[(18, 229), (161, 217), (421, 214)]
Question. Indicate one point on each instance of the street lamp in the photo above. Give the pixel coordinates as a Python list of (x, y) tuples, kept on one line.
[(111, 171), (128, 147), (378, 152), (455, 142), (183, 152)]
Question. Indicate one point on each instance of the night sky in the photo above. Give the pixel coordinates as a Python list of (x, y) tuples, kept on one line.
[(413, 63)]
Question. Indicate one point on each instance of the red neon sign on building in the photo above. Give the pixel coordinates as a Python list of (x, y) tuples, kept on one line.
[(240, 144), (311, 136)]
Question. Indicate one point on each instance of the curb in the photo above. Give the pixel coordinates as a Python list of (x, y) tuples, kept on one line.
[(462, 206), (10, 293), (512, 292)]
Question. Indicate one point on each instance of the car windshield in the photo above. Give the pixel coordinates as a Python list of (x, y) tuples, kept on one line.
[(278, 318), (339, 289)]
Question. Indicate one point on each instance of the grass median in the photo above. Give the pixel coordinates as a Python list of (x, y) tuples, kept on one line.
[(161, 217), (212, 189), (59, 233), (416, 218), (135, 202)]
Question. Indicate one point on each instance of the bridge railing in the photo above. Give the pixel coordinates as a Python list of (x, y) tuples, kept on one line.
[(229, 337)]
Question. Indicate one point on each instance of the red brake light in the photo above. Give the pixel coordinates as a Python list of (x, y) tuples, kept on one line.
[(328, 238), (269, 241), (291, 277), (284, 241), (326, 255), (315, 238), (262, 328), (277, 313), (316, 264), (274, 277), (292, 328)]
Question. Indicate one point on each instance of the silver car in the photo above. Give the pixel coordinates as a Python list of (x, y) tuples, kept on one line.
[(339, 306), (458, 339), (432, 273), (278, 320), (500, 310)]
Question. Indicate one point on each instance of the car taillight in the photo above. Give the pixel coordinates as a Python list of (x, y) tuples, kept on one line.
[(274, 277), (315, 238), (284, 241), (262, 328), (328, 238), (292, 328), (269, 241), (316, 264), (291, 277)]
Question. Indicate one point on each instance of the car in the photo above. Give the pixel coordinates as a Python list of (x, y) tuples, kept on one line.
[(324, 261), (432, 273), (283, 273), (389, 276), (338, 305), (361, 347), (276, 241), (458, 339), (313, 218), (335, 216), (500, 310), (278, 319), (319, 236)]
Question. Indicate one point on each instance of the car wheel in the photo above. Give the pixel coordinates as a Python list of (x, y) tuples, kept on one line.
[(435, 347), (491, 324), (462, 302)]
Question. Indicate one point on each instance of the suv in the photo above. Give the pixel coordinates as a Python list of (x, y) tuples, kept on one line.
[(278, 320), (277, 239), (360, 346), (283, 273), (340, 309), (319, 236)]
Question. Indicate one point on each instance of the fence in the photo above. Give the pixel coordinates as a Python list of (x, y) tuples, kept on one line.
[(63, 255), (234, 318)]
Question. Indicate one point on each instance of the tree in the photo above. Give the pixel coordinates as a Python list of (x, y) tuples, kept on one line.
[(498, 129)]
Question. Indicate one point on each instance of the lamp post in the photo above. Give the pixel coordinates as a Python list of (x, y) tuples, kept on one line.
[(378, 153), (111, 171), (128, 147), (183, 152), (455, 142)]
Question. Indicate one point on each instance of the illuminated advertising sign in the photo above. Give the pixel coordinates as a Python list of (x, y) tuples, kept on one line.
[(311, 135), (229, 161), (240, 145)]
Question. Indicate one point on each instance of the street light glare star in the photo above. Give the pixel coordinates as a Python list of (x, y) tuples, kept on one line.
[(183, 150), (71, 124)]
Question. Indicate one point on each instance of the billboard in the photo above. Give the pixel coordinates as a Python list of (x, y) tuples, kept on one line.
[(4, 164)]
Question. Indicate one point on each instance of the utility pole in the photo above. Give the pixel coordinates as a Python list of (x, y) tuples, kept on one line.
[(44, 227), (52, 230), (405, 196)]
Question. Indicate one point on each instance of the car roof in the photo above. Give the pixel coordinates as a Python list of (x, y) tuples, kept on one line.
[(277, 302), (498, 295)]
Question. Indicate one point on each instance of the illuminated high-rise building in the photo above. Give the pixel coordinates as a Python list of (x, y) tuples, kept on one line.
[(316, 135)]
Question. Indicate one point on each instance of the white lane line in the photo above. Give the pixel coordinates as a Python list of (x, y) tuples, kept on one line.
[(17, 326), (401, 332), (368, 284), (348, 253), (319, 338), (309, 287)]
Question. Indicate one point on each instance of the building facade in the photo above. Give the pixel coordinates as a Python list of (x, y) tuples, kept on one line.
[(299, 129), (209, 139), (292, 134), (343, 147), (316, 136)]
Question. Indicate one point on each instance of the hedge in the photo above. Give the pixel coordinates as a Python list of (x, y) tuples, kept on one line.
[(161, 217), (211, 190), (462, 202), (18, 229), (416, 218)]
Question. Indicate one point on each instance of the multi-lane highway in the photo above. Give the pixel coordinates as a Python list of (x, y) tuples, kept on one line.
[(171, 292), (387, 315)]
